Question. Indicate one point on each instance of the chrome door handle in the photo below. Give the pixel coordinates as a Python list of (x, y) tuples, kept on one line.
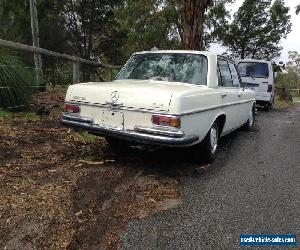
[(224, 95)]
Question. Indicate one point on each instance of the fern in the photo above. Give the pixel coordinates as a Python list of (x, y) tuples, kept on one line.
[(16, 82)]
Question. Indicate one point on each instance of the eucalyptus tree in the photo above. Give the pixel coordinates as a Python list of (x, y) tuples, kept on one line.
[(193, 15), (257, 29)]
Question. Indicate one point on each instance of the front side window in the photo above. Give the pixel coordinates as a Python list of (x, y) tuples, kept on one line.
[(173, 67), (253, 69)]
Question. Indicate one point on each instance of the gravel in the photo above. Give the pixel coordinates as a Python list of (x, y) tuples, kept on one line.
[(252, 189)]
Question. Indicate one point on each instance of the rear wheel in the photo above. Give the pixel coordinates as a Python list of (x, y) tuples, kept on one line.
[(250, 122), (207, 150)]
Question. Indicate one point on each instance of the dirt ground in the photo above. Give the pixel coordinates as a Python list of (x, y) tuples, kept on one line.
[(62, 189)]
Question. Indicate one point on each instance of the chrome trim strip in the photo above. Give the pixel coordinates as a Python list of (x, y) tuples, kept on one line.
[(120, 107), (132, 135), (162, 112), (216, 107), (77, 118), (164, 132)]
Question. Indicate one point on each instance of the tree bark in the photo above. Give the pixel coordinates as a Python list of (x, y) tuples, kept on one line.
[(192, 23)]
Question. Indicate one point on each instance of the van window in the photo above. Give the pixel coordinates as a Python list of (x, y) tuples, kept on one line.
[(225, 79), (254, 69)]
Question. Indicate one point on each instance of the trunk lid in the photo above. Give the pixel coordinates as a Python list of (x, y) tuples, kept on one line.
[(148, 94)]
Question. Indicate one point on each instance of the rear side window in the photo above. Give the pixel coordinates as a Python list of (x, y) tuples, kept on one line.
[(234, 74), (225, 79), (254, 69)]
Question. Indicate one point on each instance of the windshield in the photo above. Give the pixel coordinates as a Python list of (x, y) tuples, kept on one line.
[(254, 69), (186, 68)]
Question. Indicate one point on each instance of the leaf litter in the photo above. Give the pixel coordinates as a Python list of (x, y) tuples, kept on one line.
[(60, 191)]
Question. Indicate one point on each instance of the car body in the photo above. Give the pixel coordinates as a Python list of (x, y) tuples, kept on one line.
[(259, 76), (193, 98)]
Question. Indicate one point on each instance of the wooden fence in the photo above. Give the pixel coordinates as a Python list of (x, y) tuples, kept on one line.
[(76, 60)]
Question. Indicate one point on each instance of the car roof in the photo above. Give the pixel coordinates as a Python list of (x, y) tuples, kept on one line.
[(254, 60), (197, 52), (176, 52)]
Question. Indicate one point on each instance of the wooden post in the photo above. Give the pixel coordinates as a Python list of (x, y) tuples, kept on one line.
[(75, 72), (110, 75), (36, 43)]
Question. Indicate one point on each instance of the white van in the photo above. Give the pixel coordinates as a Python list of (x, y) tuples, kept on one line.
[(258, 75)]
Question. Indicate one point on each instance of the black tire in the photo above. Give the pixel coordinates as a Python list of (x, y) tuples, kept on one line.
[(207, 149), (250, 122), (115, 144), (267, 107), (272, 103)]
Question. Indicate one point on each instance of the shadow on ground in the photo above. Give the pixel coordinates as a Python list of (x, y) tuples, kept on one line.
[(136, 184), (60, 189)]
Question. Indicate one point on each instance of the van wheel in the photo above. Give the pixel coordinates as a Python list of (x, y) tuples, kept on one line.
[(250, 122), (207, 149), (267, 107), (272, 103)]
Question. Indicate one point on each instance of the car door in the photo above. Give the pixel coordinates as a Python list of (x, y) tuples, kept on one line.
[(242, 95), (230, 98)]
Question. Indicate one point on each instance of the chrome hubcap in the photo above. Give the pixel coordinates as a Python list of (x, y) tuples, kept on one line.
[(213, 139)]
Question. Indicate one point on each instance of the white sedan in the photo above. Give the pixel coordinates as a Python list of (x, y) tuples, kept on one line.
[(166, 98)]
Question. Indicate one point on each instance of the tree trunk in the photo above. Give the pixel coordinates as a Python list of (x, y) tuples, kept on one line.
[(192, 23)]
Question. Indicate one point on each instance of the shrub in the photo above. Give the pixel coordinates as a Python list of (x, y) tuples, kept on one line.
[(16, 82)]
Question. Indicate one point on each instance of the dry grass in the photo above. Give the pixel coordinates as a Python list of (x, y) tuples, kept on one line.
[(282, 104), (53, 195)]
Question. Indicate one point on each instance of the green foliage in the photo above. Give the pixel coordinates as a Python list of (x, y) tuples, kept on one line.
[(294, 62), (24, 116), (111, 30), (257, 29), (16, 82), (15, 21), (149, 24), (88, 23), (291, 77), (216, 22), (5, 114), (287, 79), (157, 23), (85, 136)]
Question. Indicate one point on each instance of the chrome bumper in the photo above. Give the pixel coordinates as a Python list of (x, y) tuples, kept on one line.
[(139, 134)]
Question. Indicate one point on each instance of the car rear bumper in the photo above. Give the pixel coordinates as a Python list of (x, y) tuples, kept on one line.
[(143, 135)]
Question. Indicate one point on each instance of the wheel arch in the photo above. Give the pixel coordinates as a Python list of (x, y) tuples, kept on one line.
[(221, 120)]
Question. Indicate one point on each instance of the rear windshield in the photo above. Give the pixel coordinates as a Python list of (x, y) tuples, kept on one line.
[(172, 67), (254, 69)]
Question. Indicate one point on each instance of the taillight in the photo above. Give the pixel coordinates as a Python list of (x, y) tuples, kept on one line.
[(270, 88), (165, 120), (72, 108)]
